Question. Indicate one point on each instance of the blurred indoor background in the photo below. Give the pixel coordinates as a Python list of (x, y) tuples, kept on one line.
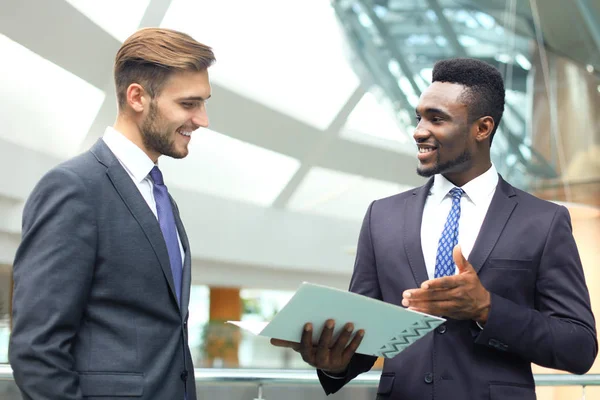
[(311, 119)]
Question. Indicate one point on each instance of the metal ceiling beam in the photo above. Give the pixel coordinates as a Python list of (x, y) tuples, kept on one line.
[(402, 31), (284, 134), (24, 21), (327, 138), (295, 241), (289, 136), (372, 60), (322, 146), (589, 16), (447, 29), (390, 44)]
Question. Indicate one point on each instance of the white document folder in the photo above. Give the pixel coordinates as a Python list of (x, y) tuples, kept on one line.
[(389, 329)]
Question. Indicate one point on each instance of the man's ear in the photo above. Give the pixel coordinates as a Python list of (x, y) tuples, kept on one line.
[(483, 128), (136, 97)]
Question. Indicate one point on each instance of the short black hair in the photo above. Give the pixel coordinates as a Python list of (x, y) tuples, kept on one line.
[(484, 88)]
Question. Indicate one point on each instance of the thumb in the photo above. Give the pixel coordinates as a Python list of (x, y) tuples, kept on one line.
[(460, 260)]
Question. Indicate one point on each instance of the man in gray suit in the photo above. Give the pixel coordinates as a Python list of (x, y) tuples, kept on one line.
[(501, 265), (102, 276)]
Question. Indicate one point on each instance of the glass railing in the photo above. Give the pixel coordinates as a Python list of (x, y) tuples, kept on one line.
[(249, 384)]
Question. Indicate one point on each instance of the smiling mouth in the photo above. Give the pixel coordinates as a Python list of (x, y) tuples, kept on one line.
[(425, 152), (185, 133)]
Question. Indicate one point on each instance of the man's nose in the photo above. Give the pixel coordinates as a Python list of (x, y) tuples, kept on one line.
[(420, 134), (200, 119)]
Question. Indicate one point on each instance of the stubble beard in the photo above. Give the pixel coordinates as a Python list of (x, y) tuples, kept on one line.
[(154, 136), (460, 163)]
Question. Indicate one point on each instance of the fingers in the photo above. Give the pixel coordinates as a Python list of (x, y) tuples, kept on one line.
[(435, 289), (322, 356), (424, 296), (326, 354), (284, 343), (306, 346), (447, 308), (342, 340), (351, 348), (447, 282), (459, 259)]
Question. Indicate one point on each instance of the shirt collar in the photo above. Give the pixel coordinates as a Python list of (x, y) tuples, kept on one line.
[(476, 190), (135, 161), (481, 187)]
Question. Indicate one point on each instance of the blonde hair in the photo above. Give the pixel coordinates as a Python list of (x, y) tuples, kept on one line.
[(151, 55)]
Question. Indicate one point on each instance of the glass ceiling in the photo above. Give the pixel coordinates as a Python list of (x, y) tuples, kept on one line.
[(44, 107), (372, 122), (398, 42), (117, 17), (289, 57), (227, 167), (336, 194), (304, 60)]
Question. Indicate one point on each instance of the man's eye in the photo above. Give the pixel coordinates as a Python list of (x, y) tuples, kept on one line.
[(418, 117), (437, 119)]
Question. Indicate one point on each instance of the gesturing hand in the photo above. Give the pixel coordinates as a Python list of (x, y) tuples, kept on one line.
[(461, 296), (329, 355)]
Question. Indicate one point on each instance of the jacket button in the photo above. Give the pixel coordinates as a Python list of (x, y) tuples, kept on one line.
[(184, 375), (428, 377), (442, 329)]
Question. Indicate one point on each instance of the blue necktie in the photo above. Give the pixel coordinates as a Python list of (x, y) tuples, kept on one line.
[(166, 220), (444, 263)]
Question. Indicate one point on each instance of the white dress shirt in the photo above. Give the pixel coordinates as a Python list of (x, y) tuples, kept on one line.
[(474, 205), (138, 166)]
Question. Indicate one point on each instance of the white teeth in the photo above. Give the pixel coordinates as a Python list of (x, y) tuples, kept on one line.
[(425, 150), (188, 134)]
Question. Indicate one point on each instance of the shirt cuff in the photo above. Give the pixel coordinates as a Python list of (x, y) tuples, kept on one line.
[(333, 376)]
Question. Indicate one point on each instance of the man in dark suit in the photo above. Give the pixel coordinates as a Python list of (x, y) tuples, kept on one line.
[(520, 298), (102, 275)]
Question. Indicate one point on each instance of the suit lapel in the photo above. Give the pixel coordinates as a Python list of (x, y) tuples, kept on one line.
[(138, 207), (413, 215), (502, 205), (187, 262)]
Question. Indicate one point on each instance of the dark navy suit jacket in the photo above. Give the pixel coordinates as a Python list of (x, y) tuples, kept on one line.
[(95, 312), (525, 256)]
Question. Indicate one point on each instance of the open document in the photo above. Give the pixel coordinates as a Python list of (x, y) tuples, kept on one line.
[(389, 329)]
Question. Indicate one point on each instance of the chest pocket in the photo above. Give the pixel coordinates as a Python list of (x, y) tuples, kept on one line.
[(511, 279), (500, 391), (111, 384)]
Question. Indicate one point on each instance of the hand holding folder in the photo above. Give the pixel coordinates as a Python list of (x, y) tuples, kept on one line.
[(331, 355), (388, 329)]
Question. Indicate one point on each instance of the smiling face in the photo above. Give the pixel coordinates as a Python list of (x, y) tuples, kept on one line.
[(447, 142), (173, 115)]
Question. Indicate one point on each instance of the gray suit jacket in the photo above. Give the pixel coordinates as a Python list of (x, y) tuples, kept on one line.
[(525, 255), (94, 310)]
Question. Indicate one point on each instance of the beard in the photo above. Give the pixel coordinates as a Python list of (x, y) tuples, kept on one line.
[(156, 136), (460, 163)]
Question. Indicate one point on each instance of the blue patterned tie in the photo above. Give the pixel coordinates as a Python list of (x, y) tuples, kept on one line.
[(166, 220), (444, 263)]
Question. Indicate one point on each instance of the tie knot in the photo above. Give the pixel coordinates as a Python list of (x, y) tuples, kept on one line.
[(156, 176), (456, 193)]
